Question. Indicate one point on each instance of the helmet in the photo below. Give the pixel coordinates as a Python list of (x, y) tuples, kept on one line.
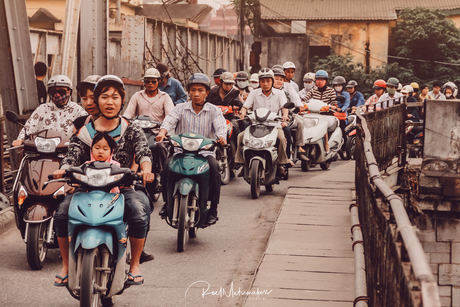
[(321, 74), (339, 80), (399, 87), (241, 76), (90, 81), (227, 77), (277, 66), (407, 89), (278, 72), (254, 78), (309, 76), (200, 78), (393, 82), (352, 83), (452, 86), (266, 73), (218, 72), (288, 65), (415, 86), (379, 84), (152, 73), (108, 79), (59, 80)]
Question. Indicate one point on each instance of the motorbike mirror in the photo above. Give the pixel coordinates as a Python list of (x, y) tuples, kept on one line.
[(289, 105), (12, 117), (340, 99)]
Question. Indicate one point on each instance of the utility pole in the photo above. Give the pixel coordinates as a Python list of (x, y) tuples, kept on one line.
[(242, 5)]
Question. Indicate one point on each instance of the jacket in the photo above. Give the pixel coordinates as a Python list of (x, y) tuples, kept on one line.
[(231, 99)]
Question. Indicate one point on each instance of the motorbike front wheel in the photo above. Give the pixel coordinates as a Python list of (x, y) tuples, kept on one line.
[(255, 179), (325, 166), (90, 278), (36, 245), (183, 204), (223, 165), (350, 147)]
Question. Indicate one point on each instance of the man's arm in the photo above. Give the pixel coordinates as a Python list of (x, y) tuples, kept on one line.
[(130, 111), (220, 127), (168, 124)]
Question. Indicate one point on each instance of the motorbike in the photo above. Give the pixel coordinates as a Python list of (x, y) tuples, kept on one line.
[(350, 136), (225, 155), (34, 204), (317, 123), (414, 137), (151, 129), (99, 250), (188, 186), (260, 150)]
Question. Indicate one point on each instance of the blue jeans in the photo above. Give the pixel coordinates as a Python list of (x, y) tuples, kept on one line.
[(137, 213)]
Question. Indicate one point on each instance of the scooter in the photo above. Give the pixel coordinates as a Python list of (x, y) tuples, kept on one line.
[(151, 129), (35, 204), (225, 155), (260, 150), (317, 124), (188, 186), (99, 250)]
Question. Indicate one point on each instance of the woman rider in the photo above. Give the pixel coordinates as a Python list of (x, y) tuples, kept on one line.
[(109, 94)]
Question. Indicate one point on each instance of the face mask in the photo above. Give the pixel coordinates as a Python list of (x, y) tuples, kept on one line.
[(308, 86), (448, 95), (338, 88), (59, 100), (391, 91), (254, 84)]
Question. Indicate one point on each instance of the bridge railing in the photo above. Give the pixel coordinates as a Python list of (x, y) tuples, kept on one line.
[(398, 273)]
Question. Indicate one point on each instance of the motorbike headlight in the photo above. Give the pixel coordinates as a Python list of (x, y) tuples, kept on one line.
[(175, 144), (254, 143), (191, 144), (144, 124), (22, 195), (46, 145)]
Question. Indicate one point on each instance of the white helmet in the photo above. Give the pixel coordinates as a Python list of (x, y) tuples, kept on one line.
[(288, 65), (59, 80), (309, 76), (407, 89), (266, 73), (452, 86), (254, 78), (399, 87), (152, 73)]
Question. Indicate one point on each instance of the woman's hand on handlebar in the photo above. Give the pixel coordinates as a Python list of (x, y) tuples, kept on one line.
[(58, 174)]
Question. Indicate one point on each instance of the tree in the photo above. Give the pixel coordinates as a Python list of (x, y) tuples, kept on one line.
[(251, 9), (429, 35)]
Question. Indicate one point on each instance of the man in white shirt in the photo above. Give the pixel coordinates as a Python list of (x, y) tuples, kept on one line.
[(436, 92), (391, 96), (289, 70), (266, 97)]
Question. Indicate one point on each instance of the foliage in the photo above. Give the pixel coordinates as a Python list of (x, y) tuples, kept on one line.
[(427, 34), (251, 6)]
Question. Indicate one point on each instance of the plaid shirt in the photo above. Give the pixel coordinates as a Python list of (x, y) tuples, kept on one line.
[(209, 122)]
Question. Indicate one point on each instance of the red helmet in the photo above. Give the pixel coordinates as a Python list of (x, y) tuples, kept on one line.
[(379, 84)]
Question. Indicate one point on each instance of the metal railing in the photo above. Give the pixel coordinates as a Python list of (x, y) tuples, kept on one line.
[(388, 280)]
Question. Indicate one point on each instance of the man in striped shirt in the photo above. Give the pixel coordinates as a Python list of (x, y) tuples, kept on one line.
[(321, 91), (202, 118)]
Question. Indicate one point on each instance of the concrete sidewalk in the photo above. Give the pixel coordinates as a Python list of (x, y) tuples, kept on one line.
[(309, 260)]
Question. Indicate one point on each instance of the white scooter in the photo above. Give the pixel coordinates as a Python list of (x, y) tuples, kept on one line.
[(317, 124), (260, 152)]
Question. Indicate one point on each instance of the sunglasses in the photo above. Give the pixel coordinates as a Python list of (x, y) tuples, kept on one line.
[(150, 81), (54, 91)]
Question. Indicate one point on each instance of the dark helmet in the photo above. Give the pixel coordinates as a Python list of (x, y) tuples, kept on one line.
[(352, 83), (242, 76), (89, 81), (339, 80), (218, 72), (279, 72), (321, 74), (199, 78), (393, 82)]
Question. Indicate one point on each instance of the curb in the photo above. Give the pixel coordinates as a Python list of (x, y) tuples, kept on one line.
[(6, 220)]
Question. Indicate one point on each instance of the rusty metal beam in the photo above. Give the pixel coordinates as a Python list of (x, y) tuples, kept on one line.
[(69, 39)]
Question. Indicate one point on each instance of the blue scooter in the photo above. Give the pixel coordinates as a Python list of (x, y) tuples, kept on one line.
[(99, 247)]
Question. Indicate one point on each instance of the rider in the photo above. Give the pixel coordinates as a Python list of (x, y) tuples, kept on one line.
[(391, 96), (58, 114), (339, 83), (273, 99), (242, 83), (412, 112), (308, 83), (254, 81), (379, 89), (436, 92), (289, 70), (85, 91), (197, 116), (225, 94), (171, 86), (216, 75), (356, 98), (450, 90), (321, 91)]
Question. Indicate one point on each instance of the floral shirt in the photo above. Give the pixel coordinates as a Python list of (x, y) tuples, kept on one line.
[(49, 116)]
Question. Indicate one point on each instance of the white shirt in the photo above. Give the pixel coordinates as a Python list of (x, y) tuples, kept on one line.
[(295, 86), (295, 98), (439, 96), (275, 101), (389, 103)]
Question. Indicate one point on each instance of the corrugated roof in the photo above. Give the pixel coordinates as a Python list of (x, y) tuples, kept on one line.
[(345, 10), (193, 12)]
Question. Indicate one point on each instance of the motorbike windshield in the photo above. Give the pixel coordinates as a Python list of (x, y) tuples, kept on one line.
[(259, 131)]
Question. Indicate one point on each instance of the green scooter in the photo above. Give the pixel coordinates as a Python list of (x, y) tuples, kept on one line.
[(188, 185)]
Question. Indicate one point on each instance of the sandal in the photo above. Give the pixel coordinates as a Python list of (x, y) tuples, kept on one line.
[(62, 283), (131, 282)]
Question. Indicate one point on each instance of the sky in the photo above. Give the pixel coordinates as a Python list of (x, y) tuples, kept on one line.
[(214, 3)]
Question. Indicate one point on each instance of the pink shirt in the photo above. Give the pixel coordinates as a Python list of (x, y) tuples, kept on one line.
[(156, 107)]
